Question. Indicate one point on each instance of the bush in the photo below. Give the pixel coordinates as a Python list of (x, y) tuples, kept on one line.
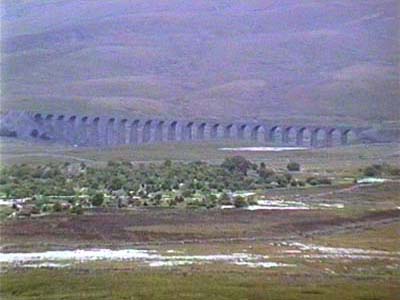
[(318, 180), (98, 199), (373, 171), (224, 199), (266, 173), (172, 202), (187, 193), (237, 164), (301, 183), (394, 171), (293, 166), (57, 207), (324, 180), (239, 202), (77, 210)]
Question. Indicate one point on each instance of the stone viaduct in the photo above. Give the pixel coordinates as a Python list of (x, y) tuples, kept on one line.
[(105, 131)]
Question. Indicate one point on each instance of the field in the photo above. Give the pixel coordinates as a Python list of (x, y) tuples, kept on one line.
[(347, 249)]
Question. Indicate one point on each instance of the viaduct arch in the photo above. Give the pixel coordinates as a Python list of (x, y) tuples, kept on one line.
[(107, 131)]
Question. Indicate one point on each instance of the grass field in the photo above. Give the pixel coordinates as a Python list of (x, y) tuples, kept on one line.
[(329, 253), (338, 158)]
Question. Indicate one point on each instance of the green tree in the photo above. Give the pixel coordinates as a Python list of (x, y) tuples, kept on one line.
[(98, 199), (293, 166), (239, 201), (237, 164)]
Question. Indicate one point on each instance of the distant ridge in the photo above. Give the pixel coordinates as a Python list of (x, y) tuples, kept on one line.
[(298, 60)]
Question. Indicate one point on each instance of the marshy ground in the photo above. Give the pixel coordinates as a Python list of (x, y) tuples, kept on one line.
[(351, 251)]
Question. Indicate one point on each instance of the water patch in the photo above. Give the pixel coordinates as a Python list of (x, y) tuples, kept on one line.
[(312, 251), (46, 266), (286, 205), (227, 206), (263, 149), (278, 205), (370, 180), (150, 258), (331, 205), (6, 203)]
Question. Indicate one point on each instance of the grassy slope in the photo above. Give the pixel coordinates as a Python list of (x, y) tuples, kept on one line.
[(271, 59), (252, 284)]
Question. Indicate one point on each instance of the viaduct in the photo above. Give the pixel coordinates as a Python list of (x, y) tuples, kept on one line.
[(106, 131)]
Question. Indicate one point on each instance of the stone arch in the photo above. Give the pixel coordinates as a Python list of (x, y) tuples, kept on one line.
[(214, 131), (242, 131), (134, 133), (35, 133), (159, 134), (49, 117), (172, 133), (122, 132), (332, 137), (275, 133), (93, 135), (59, 127), (38, 117), (303, 136), (110, 132), (147, 131), (289, 135), (187, 131), (70, 132), (83, 131), (258, 133), (318, 136), (201, 131), (348, 136), (49, 126), (228, 131)]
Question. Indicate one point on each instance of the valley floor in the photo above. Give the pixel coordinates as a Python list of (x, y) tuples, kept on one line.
[(350, 251)]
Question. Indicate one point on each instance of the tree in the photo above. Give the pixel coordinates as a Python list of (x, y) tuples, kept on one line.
[(98, 199), (57, 207), (116, 183), (293, 166), (239, 202), (373, 171), (237, 164)]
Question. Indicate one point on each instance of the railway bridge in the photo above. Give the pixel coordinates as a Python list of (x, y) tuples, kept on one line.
[(106, 131)]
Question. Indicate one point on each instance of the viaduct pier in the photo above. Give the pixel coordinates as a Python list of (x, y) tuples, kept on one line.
[(108, 131)]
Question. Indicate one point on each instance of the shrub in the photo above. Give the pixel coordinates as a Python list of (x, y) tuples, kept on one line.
[(394, 171), (187, 193), (318, 180), (98, 199), (224, 199), (57, 207), (239, 202), (373, 171), (237, 164), (77, 210), (266, 173), (293, 166), (172, 202), (301, 183)]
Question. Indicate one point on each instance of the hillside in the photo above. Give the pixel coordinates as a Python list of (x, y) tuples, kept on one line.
[(335, 60)]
